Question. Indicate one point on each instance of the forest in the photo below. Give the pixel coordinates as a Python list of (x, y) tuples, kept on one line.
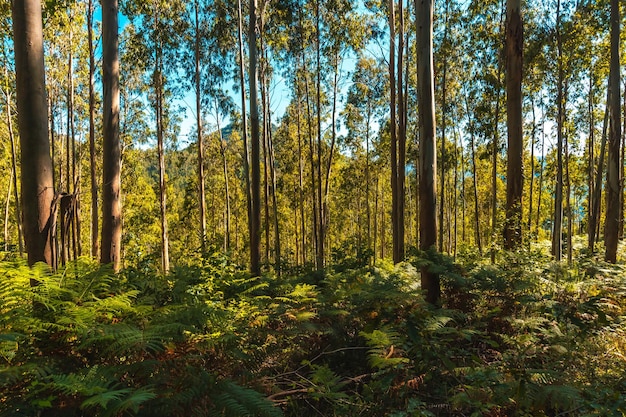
[(312, 208)]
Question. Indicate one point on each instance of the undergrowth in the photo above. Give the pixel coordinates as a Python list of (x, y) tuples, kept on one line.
[(524, 337)]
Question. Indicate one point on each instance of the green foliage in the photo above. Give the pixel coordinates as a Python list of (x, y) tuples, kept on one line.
[(523, 337)]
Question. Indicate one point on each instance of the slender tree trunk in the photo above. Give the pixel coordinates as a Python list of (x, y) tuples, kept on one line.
[(495, 151), (402, 118), (444, 109), (71, 137), (333, 141), (272, 161), (255, 186), (515, 172), (591, 164), (37, 182), (222, 146), (301, 178), (320, 204), (314, 219), (158, 92), (393, 130), (456, 203), (428, 145), (95, 243), (7, 210), (244, 117), (532, 170), (594, 220), (18, 216), (558, 195), (112, 156), (266, 183), (368, 208), (615, 137), (375, 220), (199, 127), (541, 165), (568, 192), (474, 178)]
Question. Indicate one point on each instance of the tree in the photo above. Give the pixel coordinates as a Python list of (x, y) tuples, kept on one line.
[(37, 174), (255, 139), (111, 178), (428, 145), (95, 243), (614, 184), (515, 173)]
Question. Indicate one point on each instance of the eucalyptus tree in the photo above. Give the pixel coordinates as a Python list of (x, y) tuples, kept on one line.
[(95, 242), (614, 181), (515, 174), (111, 150), (37, 176), (255, 142), (428, 148), (162, 27), (364, 106), (211, 42)]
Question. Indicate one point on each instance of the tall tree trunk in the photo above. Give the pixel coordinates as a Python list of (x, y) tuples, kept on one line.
[(333, 141), (456, 203), (474, 178), (158, 92), (541, 165), (515, 172), (222, 145), (557, 237), (199, 127), (7, 211), (568, 192), (112, 156), (255, 186), (615, 137), (368, 208), (428, 144), (300, 178), (591, 162), (444, 109), (18, 216), (401, 136), (495, 151), (272, 161), (244, 117), (532, 170), (594, 219), (393, 130), (95, 243), (318, 87), (37, 182)]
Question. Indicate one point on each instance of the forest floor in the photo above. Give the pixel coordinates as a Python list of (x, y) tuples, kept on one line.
[(527, 336)]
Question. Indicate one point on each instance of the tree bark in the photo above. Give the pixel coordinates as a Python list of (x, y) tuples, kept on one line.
[(37, 176), (474, 178), (515, 173), (95, 243), (18, 216), (557, 237), (255, 235), (244, 117), (428, 144), (200, 133), (393, 130), (611, 233), (594, 222), (112, 156)]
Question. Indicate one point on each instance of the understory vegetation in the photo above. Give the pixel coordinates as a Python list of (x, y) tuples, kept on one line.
[(524, 337)]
